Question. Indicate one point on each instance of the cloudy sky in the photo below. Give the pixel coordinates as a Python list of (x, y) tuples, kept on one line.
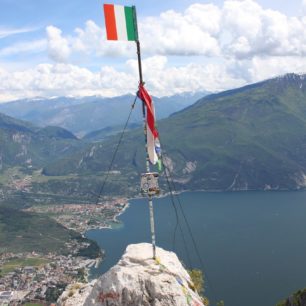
[(58, 48)]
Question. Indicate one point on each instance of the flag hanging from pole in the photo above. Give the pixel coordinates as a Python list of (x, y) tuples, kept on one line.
[(120, 22), (153, 145)]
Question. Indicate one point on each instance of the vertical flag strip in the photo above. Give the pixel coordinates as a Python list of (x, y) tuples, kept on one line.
[(153, 144), (120, 22)]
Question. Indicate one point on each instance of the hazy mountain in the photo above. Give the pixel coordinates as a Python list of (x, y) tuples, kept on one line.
[(109, 131), (84, 115), (248, 138), (24, 145)]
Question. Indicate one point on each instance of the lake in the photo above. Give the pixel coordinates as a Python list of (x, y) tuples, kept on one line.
[(252, 244)]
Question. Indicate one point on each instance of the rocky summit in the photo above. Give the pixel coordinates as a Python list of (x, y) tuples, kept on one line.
[(137, 279)]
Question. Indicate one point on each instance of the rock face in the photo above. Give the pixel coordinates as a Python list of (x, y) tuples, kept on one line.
[(75, 294), (297, 299), (139, 280)]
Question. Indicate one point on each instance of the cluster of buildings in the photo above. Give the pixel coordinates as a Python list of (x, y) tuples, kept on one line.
[(23, 184), (42, 282), (84, 217), (45, 281)]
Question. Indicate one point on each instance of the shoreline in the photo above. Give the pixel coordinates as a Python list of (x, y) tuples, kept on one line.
[(166, 194), (128, 203)]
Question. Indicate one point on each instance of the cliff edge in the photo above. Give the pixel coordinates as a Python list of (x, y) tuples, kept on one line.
[(137, 279), (297, 299)]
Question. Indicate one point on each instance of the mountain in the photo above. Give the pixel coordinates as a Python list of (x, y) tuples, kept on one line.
[(25, 232), (84, 115), (25, 145), (109, 131), (250, 138), (25, 150)]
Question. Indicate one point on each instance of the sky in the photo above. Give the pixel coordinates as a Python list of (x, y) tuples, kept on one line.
[(58, 48)]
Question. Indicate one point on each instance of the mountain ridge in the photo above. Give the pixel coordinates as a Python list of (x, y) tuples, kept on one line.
[(23, 144), (234, 140), (250, 138), (84, 115)]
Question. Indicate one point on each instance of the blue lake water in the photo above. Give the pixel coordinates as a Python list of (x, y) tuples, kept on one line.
[(252, 244)]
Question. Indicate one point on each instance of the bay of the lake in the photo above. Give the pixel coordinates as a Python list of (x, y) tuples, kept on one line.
[(252, 244)]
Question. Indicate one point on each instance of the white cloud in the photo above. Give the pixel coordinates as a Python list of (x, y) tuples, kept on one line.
[(24, 47), (5, 32), (264, 68), (240, 29), (161, 77), (64, 79), (262, 32), (90, 40), (46, 80), (237, 43), (50, 80), (58, 46), (193, 32)]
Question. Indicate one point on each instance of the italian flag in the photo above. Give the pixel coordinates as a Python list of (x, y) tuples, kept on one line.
[(120, 22)]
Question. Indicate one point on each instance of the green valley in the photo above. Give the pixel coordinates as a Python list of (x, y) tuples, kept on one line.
[(250, 138)]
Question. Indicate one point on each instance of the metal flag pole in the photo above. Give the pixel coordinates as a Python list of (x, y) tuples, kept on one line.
[(150, 196)]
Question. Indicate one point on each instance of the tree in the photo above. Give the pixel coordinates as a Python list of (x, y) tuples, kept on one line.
[(198, 280)]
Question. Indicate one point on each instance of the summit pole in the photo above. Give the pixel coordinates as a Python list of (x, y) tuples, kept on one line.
[(139, 62), (152, 225)]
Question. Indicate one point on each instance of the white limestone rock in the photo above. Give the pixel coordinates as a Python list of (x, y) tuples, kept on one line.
[(137, 280), (75, 294)]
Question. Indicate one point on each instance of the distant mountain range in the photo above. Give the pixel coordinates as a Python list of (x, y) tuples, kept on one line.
[(85, 115), (250, 138)]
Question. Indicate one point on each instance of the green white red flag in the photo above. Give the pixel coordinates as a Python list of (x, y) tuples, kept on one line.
[(120, 22)]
